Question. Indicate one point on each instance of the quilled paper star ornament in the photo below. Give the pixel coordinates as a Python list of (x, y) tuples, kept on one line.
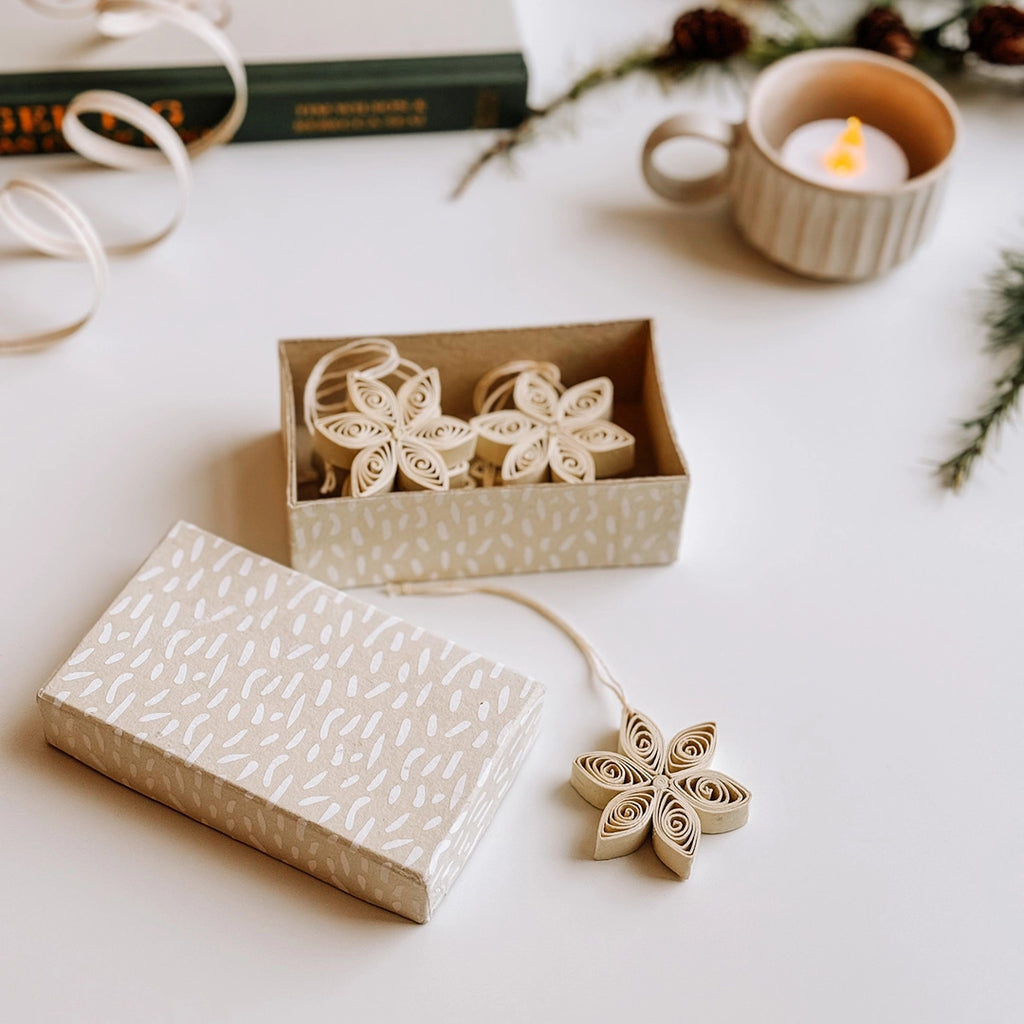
[(665, 791), (390, 438), (548, 433)]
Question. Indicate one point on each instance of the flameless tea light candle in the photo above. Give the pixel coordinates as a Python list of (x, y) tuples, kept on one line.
[(820, 192), (845, 154)]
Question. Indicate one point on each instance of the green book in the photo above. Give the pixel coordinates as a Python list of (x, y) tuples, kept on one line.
[(316, 68)]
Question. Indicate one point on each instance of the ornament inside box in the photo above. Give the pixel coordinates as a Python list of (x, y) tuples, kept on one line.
[(629, 519)]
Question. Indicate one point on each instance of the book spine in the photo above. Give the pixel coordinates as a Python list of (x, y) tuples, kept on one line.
[(285, 102)]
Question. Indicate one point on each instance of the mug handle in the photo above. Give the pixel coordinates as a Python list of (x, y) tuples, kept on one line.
[(693, 125)]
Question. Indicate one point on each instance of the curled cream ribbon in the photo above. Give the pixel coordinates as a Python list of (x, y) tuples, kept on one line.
[(83, 235), (79, 240)]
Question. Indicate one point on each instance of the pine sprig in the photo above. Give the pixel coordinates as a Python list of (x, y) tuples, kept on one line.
[(653, 62), (1005, 322)]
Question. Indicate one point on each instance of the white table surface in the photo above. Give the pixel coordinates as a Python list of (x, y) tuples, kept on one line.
[(854, 630)]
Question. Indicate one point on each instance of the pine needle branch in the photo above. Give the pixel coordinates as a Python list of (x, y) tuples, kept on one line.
[(655, 62), (1005, 322)]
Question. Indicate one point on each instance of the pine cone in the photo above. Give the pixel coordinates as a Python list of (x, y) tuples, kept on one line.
[(708, 34), (997, 34), (884, 31)]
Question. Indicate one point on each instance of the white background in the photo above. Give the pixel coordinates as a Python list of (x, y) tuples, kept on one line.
[(854, 630)]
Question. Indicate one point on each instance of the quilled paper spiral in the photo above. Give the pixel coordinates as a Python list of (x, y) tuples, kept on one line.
[(509, 427), (625, 823), (691, 748), (677, 831), (420, 468), (420, 397), (373, 398), (721, 803), (373, 470), (498, 432), (602, 435), (612, 448), (536, 397), (339, 438), (629, 812), (639, 738), (526, 462), (453, 439), (598, 776), (591, 400), (571, 463), (676, 821)]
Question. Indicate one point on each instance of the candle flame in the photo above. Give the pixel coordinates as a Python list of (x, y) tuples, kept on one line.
[(846, 157)]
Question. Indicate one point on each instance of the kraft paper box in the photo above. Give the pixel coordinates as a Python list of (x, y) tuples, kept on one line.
[(633, 520), (296, 719)]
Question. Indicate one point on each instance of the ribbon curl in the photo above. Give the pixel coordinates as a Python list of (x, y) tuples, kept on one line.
[(79, 239)]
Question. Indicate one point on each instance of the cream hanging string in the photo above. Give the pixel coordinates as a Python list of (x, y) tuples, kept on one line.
[(649, 787), (79, 239), (602, 674)]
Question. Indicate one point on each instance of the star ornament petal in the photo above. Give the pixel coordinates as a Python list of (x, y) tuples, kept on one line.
[(393, 437), (565, 436), (658, 789)]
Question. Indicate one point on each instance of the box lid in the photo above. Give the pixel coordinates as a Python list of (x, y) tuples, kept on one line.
[(387, 740)]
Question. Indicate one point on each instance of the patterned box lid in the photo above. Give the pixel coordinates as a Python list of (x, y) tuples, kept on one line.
[(300, 720)]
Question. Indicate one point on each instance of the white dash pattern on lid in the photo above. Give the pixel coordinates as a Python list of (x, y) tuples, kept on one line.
[(296, 719)]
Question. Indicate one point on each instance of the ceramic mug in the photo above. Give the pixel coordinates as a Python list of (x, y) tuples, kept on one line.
[(819, 230)]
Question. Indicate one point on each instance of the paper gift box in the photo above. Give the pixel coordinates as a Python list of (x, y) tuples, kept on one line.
[(409, 535), (294, 718)]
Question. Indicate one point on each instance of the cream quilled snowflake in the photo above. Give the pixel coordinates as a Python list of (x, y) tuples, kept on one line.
[(566, 437), (387, 437), (669, 791)]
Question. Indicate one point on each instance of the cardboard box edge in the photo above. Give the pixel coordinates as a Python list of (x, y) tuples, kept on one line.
[(417, 879), (532, 713)]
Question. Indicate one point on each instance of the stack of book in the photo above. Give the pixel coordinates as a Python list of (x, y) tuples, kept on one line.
[(316, 68)]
